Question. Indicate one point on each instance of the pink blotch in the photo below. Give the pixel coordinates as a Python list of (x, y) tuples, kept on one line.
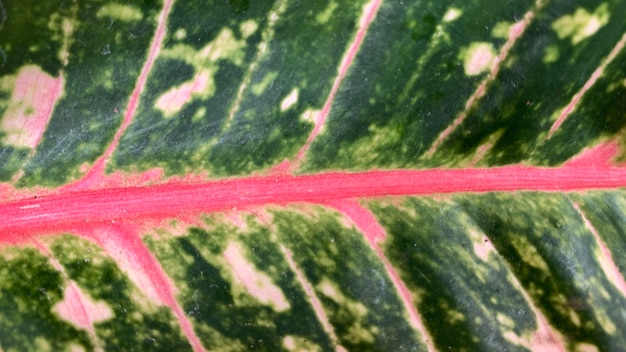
[(483, 248), (34, 96), (175, 99), (600, 155), (80, 310)]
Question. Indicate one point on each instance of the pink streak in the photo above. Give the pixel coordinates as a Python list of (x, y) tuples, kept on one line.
[(598, 156), (545, 339), (515, 32), (366, 223), (175, 99), (63, 211), (76, 307), (369, 14), (123, 244), (315, 302), (96, 174), (590, 82), (36, 90), (613, 271)]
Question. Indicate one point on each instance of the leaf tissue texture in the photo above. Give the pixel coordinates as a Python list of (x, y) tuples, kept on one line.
[(370, 175)]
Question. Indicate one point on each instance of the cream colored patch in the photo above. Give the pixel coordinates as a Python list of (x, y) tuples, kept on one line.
[(299, 344), (35, 94), (582, 24), (258, 284), (479, 57), (248, 28), (289, 100), (311, 116), (74, 347), (120, 12), (452, 14), (180, 34), (586, 347), (80, 310), (175, 98)]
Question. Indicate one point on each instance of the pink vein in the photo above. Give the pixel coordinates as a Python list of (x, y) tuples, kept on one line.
[(515, 32), (81, 317), (97, 171), (315, 302), (590, 82), (613, 271), (544, 339), (367, 224), (369, 14), (126, 247), (55, 212)]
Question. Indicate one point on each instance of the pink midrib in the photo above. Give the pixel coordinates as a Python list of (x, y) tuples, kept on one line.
[(62, 211)]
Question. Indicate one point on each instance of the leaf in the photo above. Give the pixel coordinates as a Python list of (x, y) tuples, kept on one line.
[(331, 175)]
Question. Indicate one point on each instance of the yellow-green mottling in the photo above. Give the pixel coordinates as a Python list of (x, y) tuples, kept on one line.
[(581, 24), (120, 12)]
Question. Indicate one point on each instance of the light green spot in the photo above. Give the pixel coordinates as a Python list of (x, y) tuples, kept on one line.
[(180, 34), (296, 344), (531, 255), (324, 17), (248, 28), (478, 58), (42, 344), (581, 24), (259, 88), (199, 115), (225, 46), (290, 100), (452, 14), (120, 12), (551, 55), (501, 30)]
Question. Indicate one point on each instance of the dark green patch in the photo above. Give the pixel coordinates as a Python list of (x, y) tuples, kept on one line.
[(207, 297), (527, 94), (324, 249), (132, 327), (29, 290), (97, 90), (525, 227), (401, 93), (460, 295)]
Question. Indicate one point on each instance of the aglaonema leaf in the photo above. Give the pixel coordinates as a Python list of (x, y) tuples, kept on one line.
[(375, 175)]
